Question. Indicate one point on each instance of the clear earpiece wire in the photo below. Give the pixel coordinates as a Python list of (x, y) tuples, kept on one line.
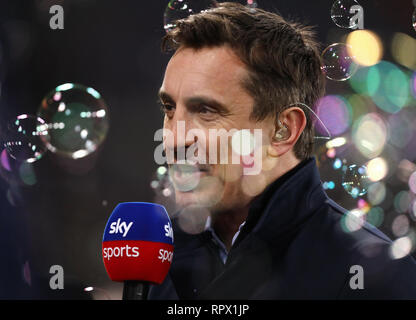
[(317, 117)]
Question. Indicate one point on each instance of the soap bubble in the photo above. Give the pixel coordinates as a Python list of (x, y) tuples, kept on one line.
[(338, 64), (180, 9), (77, 121), (355, 180), (341, 15), (23, 139)]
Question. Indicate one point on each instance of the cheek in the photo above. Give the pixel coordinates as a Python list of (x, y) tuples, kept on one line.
[(231, 173), (231, 177)]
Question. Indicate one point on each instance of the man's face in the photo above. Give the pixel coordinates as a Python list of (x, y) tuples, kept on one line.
[(202, 90)]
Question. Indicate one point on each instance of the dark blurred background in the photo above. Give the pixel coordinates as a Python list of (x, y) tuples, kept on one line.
[(114, 46)]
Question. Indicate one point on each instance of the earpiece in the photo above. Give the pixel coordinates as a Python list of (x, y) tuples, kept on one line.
[(282, 133)]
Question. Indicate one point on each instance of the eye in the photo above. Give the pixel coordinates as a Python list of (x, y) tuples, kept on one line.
[(167, 108), (206, 110)]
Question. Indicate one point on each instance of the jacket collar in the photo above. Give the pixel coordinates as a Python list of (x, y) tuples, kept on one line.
[(285, 203)]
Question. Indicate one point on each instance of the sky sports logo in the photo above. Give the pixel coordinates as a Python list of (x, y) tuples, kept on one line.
[(119, 252), (133, 252), (123, 251), (123, 228), (118, 227)]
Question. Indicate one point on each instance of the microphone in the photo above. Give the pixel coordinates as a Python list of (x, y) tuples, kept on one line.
[(137, 247)]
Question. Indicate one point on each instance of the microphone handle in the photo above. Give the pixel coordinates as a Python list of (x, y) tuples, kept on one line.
[(135, 290)]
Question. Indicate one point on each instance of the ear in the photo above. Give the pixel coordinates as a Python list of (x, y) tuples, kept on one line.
[(293, 122)]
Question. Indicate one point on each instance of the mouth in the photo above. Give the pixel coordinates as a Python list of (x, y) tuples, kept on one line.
[(186, 177)]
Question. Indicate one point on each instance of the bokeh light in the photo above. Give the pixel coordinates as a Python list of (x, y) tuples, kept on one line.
[(328, 185), (413, 85), (338, 65), (400, 128), (335, 113), (400, 247), (363, 205), (337, 164), (355, 180), (400, 225), (405, 169), (402, 201), (167, 192), (360, 105), (248, 3), (76, 118), (412, 182), (243, 142), (365, 47), (370, 135), (251, 3), (161, 172), (366, 81), (375, 216), (353, 220), (377, 169), (331, 153), (23, 139), (393, 93), (335, 143), (386, 84), (180, 9), (413, 210), (403, 48), (341, 15), (98, 293), (376, 193)]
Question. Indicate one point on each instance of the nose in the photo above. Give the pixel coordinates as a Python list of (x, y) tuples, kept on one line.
[(176, 140)]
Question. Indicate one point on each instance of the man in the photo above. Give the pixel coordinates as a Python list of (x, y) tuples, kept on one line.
[(274, 234)]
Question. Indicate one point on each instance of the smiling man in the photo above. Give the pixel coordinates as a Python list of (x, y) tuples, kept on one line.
[(273, 234)]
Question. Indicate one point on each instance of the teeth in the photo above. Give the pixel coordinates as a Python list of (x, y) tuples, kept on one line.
[(186, 174), (185, 168), (184, 180)]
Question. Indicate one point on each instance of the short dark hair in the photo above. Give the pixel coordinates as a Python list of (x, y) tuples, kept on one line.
[(282, 58)]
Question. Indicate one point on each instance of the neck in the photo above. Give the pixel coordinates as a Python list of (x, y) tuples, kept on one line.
[(226, 224)]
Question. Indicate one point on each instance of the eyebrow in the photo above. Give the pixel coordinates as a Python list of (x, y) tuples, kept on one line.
[(164, 96), (196, 100)]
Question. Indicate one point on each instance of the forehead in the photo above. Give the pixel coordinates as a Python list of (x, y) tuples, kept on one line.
[(208, 70)]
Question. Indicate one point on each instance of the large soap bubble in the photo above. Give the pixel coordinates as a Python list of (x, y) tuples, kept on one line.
[(77, 120)]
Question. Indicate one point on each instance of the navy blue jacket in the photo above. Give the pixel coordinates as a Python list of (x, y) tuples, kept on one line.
[(293, 246)]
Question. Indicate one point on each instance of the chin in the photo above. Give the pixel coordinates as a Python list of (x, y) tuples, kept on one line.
[(185, 199)]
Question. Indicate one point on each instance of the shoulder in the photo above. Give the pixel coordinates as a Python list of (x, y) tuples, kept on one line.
[(346, 241)]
